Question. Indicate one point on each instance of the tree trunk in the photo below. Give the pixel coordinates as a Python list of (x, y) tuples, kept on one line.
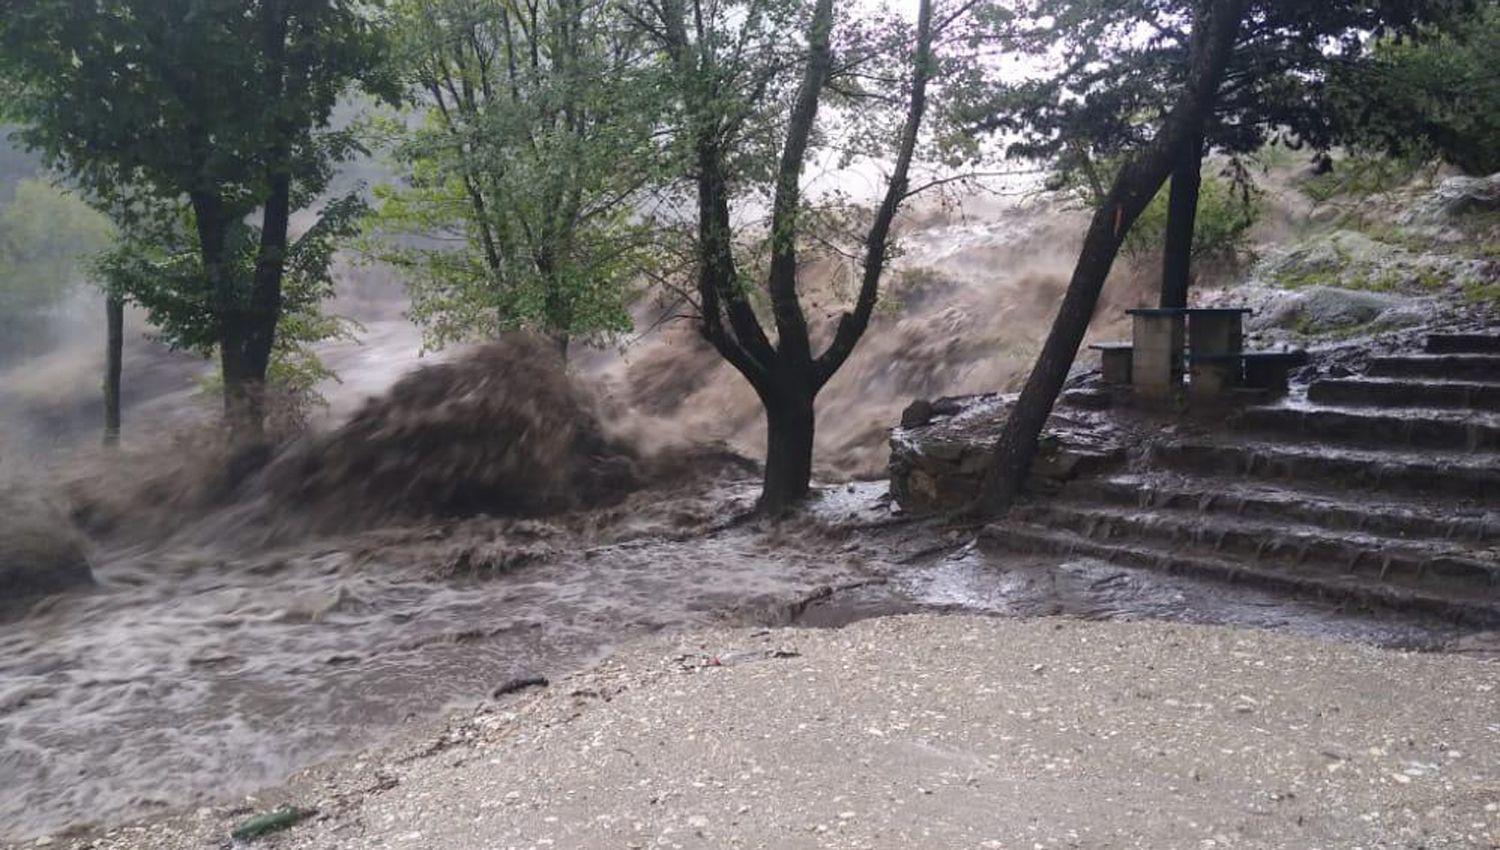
[(243, 412), (790, 425), (1182, 216), (256, 334), (248, 327), (1135, 185), (244, 396), (114, 314)]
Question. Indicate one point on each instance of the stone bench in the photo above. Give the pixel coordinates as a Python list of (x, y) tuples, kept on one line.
[(1115, 361), (1262, 370)]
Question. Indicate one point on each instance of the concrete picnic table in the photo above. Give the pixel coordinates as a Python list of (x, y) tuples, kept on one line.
[(1208, 341)]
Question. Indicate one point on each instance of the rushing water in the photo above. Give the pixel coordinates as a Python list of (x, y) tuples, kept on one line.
[(185, 675), (198, 670)]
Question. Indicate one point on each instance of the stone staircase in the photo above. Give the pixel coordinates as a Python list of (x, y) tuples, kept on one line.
[(1381, 489)]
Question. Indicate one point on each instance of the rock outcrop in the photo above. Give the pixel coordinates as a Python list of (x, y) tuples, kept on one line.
[(940, 452), (1321, 310), (1455, 198)]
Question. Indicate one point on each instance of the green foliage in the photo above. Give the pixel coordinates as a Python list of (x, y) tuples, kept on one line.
[(161, 270), (1435, 94), (46, 238), (1118, 64), (1226, 212), (1229, 205), (165, 98), (1482, 293), (516, 207), (222, 105), (1360, 176), (15, 164)]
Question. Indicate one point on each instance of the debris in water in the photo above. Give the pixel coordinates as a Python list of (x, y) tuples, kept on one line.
[(269, 822), (520, 684)]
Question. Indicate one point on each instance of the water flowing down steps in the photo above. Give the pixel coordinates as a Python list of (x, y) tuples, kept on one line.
[(1381, 490), (1438, 367), (1397, 392)]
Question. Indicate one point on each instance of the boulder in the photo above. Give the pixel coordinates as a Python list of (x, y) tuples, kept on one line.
[(1321, 309), (40, 550), (1456, 198), (938, 465), (1341, 257), (1347, 259)]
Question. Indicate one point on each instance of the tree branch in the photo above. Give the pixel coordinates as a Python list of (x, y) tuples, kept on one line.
[(852, 325)]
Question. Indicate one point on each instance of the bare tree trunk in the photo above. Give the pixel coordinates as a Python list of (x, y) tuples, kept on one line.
[(790, 427), (114, 314), (1182, 217), (1135, 185)]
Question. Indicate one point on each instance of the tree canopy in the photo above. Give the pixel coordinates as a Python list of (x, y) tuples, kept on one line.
[(223, 104), (1118, 63), (749, 107), (46, 239), (531, 142), (1435, 93)]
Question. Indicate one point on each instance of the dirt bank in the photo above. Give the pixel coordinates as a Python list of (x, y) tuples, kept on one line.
[(935, 732)]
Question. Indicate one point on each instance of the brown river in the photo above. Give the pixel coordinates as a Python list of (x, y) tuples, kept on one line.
[(187, 675)]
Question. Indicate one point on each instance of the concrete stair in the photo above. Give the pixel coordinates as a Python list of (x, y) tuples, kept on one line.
[(1417, 563), (1462, 344), (1380, 490), (1462, 475), (1437, 367), (1396, 392), (1425, 429), (1320, 584), (1270, 502)]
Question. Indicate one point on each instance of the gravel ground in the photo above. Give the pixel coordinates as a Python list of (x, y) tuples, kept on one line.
[(930, 732)]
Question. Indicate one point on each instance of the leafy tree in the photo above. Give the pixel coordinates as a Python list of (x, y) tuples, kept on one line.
[(521, 175), (1436, 93), (744, 119), (223, 103), (159, 267), (46, 237), (1121, 63), (1228, 207), (16, 164)]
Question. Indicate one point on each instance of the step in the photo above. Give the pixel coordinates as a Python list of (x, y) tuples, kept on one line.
[(1358, 589), (1442, 367), (1395, 392), (1463, 344), (1405, 428), (1419, 564), (1465, 476), (1165, 491)]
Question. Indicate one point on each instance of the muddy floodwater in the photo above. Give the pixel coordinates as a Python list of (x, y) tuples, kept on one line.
[(191, 674)]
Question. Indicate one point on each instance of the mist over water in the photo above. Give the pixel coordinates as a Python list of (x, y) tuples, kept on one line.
[(205, 663)]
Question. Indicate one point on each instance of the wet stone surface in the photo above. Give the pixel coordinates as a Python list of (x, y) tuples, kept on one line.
[(1377, 488)]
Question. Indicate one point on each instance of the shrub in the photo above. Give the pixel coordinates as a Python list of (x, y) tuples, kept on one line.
[(1227, 209), (1437, 94)]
